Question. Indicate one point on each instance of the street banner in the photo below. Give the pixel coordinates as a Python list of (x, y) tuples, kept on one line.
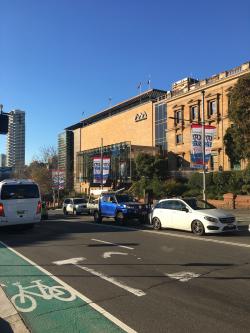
[(58, 179), (96, 170), (123, 169), (196, 144), (105, 168), (97, 178)]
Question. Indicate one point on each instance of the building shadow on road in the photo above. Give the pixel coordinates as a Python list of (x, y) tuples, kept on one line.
[(61, 229), (5, 326)]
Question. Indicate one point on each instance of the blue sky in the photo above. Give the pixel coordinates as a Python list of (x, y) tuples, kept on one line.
[(60, 58)]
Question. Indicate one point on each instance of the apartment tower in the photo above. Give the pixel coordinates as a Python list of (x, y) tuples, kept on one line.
[(16, 140)]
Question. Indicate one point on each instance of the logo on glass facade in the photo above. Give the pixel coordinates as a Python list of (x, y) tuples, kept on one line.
[(141, 116)]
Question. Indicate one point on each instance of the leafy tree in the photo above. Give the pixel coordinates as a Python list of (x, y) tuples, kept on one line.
[(42, 175), (237, 137), (145, 165), (149, 166)]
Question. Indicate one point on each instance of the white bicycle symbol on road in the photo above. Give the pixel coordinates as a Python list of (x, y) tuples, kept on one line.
[(26, 303)]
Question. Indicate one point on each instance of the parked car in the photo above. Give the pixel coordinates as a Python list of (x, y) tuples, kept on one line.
[(92, 205), (121, 207), (75, 206), (191, 214)]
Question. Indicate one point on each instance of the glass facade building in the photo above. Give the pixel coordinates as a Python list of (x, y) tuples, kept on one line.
[(161, 127), (119, 158), (66, 156)]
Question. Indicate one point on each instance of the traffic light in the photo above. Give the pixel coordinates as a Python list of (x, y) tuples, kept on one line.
[(4, 121)]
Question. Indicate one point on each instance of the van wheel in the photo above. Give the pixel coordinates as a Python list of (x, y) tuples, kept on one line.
[(120, 218), (97, 217), (198, 228), (156, 223)]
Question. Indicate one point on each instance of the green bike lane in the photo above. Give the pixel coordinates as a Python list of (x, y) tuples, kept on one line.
[(46, 303)]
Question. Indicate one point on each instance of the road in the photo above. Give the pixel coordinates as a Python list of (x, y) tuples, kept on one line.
[(144, 280)]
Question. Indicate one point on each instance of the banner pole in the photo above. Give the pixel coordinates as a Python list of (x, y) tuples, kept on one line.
[(203, 146)]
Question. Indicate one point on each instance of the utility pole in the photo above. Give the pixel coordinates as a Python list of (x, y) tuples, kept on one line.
[(203, 146), (102, 163)]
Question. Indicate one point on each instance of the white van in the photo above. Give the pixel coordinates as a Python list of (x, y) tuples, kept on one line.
[(20, 202)]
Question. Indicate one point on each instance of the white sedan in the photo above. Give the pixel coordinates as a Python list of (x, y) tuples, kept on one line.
[(191, 214)]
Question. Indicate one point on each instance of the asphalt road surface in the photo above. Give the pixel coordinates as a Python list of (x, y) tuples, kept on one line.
[(167, 281)]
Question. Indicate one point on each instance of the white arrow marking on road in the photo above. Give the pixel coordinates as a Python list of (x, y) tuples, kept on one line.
[(183, 276), (72, 261), (75, 261), (109, 254)]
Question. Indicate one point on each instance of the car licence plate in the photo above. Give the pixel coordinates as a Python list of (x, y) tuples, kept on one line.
[(20, 212)]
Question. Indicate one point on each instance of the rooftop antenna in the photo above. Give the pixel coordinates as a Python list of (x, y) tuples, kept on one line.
[(139, 88), (149, 82), (110, 100)]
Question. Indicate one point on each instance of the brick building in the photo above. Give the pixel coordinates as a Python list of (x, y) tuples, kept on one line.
[(184, 105)]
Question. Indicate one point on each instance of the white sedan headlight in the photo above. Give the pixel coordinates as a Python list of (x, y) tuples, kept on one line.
[(211, 219)]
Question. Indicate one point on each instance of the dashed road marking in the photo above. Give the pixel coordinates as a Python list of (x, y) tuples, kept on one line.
[(183, 276), (115, 244)]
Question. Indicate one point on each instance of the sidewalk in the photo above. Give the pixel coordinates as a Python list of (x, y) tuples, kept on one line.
[(10, 320)]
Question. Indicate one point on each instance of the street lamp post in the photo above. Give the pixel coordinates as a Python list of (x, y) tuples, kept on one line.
[(203, 147)]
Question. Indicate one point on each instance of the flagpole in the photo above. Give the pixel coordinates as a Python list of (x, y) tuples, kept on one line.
[(203, 147)]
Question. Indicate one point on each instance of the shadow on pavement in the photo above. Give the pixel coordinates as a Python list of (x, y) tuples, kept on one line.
[(58, 229), (5, 326)]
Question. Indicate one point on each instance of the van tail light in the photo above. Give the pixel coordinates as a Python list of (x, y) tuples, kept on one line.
[(39, 207), (1, 210)]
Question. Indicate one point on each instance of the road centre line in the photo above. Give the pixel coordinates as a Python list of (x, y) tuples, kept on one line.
[(95, 306), (115, 244), (201, 239)]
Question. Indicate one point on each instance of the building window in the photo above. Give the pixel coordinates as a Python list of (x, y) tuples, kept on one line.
[(179, 161), (179, 139), (194, 113), (178, 117), (214, 161), (160, 127), (212, 108)]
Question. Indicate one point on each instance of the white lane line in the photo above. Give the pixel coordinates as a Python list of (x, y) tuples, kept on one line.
[(75, 262), (179, 236), (95, 306), (109, 254), (136, 292), (199, 239), (183, 276), (115, 244)]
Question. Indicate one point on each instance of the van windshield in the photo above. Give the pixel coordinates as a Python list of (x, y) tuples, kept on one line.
[(20, 191)]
